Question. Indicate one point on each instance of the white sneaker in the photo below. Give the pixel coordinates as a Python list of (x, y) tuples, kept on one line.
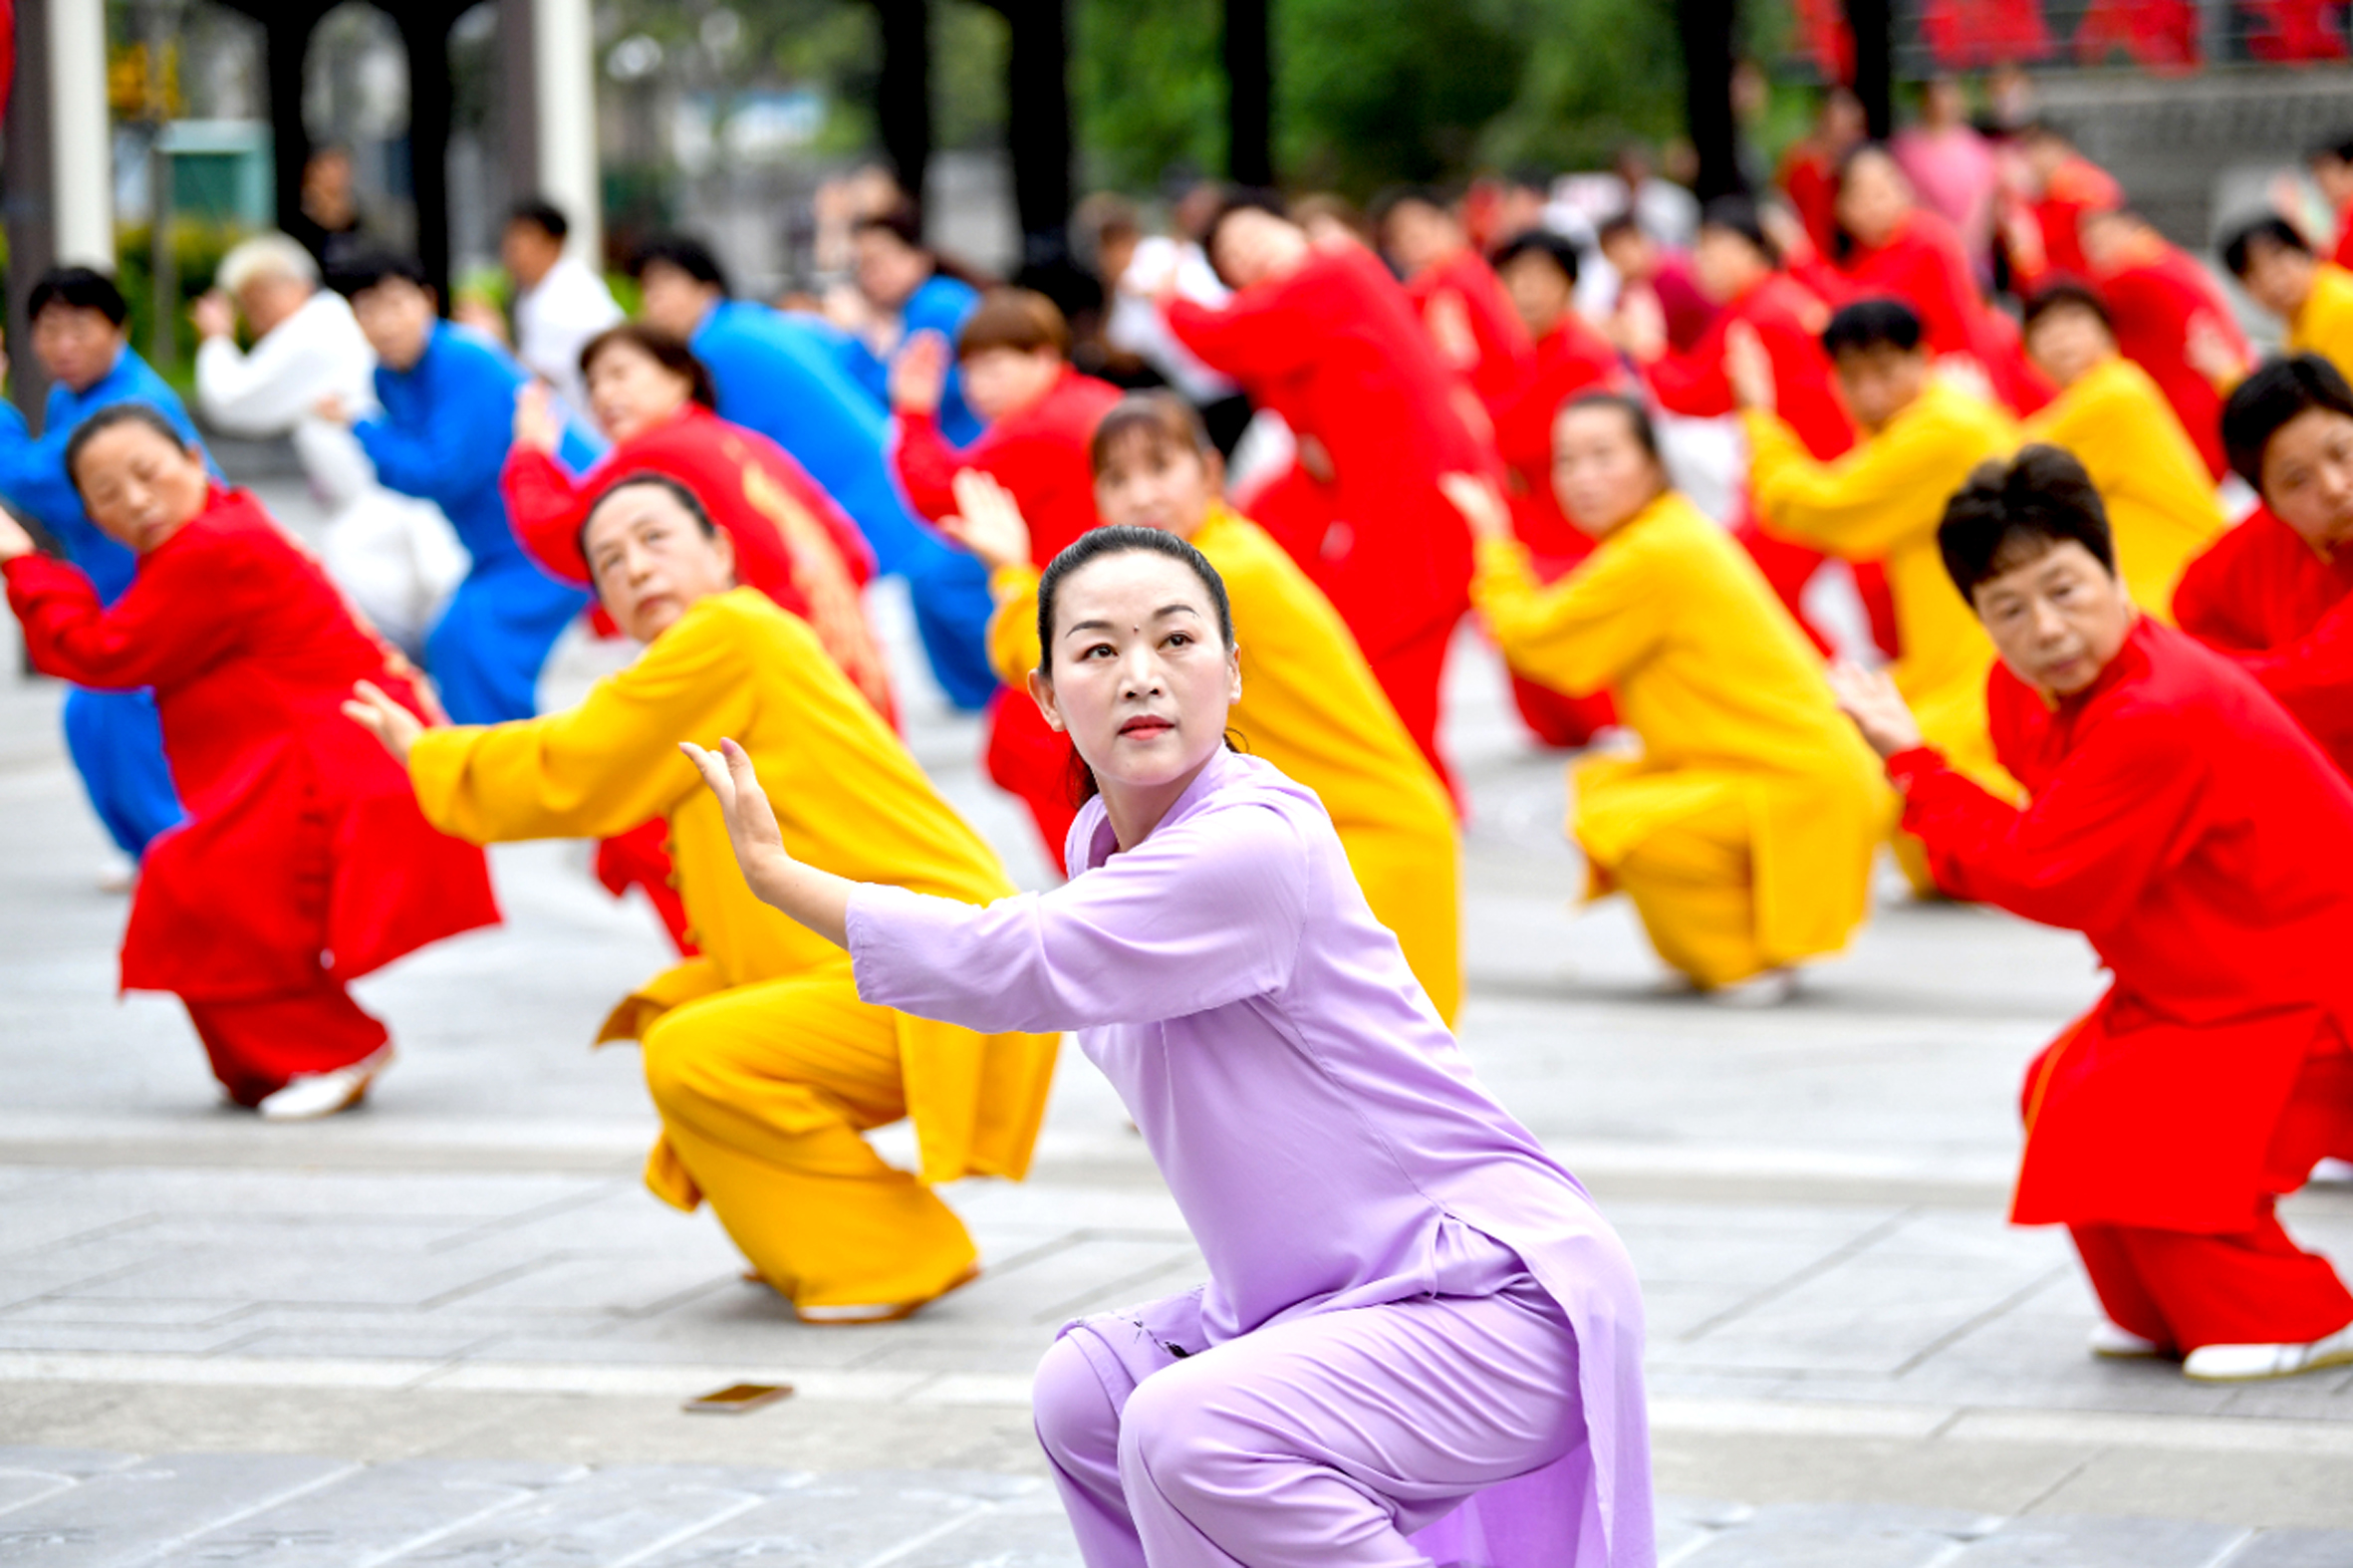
[(313, 1094), (1769, 989), (2114, 1342), (2247, 1362), (881, 1311), (2333, 1173), (117, 875)]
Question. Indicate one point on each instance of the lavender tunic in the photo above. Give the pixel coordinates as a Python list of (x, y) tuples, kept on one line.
[(1320, 1129)]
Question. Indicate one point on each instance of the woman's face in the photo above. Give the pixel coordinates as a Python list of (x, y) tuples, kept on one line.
[(138, 487), (2308, 477), (630, 392), (1601, 474), (650, 561), (1150, 481), (1142, 681), (1873, 198)]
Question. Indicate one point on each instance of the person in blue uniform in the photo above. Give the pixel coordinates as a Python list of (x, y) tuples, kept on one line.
[(79, 336), (447, 419), (905, 284), (780, 375)]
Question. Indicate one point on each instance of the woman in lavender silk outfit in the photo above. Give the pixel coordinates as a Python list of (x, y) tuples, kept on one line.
[(1419, 1343)]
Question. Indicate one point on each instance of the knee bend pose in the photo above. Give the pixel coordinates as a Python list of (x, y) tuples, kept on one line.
[(1311, 705), (762, 1060), (303, 862), (2178, 817), (1420, 1342), (1745, 829)]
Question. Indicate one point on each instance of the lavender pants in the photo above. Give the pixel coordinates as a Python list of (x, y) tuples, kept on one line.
[(1326, 1440)]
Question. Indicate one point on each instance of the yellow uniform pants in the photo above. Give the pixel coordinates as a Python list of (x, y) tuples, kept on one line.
[(763, 1091), (1690, 882)]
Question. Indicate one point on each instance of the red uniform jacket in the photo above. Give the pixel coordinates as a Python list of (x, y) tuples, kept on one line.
[(792, 542), (1501, 356), (1338, 351), (1041, 455), (1788, 318), (2178, 819), (2076, 187), (2267, 601), (1570, 360), (2153, 300), (302, 846), (1923, 265)]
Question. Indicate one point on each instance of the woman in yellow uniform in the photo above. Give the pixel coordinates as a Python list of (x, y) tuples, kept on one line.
[(1744, 831), (1882, 501), (2162, 506), (763, 1062), (1310, 703)]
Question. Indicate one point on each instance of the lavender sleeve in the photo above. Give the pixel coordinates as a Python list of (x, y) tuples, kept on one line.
[(1204, 912)]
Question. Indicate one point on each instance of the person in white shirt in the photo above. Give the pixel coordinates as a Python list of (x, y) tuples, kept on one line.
[(395, 557), (560, 302)]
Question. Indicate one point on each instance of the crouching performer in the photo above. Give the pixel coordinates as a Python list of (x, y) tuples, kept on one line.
[(762, 1060), (2179, 818), (303, 862), (1419, 1340)]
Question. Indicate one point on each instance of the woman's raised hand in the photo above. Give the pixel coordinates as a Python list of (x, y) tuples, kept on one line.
[(538, 428), (919, 376), (1878, 709), (14, 541), (1480, 503), (988, 521), (751, 821), (390, 723), (1749, 368)]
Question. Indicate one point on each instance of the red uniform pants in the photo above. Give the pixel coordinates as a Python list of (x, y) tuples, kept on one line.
[(2252, 1287), (1411, 673), (258, 1046)]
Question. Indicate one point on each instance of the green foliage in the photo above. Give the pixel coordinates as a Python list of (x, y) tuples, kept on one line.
[(1366, 95), (1148, 88), (1594, 74), (969, 47), (197, 247)]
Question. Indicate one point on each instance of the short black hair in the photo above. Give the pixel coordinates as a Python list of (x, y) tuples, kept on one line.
[(2009, 513), (1395, 196), (1637, 417), (684, 252), (663, 349), (1617, 224), (641, 479), (2065, 295), (106, 419), (78, 288), (1538, 242), (356, 276), (1738, 215), (2276, 392), (1872, 323), (2269, 229), (543, 216), (902, 219), (2338, 148)]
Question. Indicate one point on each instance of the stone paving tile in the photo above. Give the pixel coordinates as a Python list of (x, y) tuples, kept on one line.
[(382, 1512), (2061, 1542), (620, 1285), (132, 1514), (625, 1514), (1833, 1536), (2295, 1549), (836, 1521)]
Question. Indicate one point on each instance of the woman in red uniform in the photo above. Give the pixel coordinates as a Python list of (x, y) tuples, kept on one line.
[(2178, 819), (304, 862), (1040, 414), (656, 401)]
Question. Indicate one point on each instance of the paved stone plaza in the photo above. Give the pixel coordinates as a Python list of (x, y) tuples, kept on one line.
[(452, 1328)]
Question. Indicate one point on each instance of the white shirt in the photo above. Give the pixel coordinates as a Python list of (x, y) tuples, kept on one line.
[(316, 351), (1137, 326), (556, 318)]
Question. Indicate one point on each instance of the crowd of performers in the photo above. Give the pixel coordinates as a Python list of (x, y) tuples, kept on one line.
[(1976, 598)]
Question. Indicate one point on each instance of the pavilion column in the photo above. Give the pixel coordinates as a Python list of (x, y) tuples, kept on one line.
[(57, 174), (1873, 25), (902, 99), (1249, 94), (1037, 96), (564, 79), (1706, 27), (425, 33)]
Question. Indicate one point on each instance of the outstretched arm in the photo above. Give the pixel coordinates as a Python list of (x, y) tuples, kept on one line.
[(816, 898)]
